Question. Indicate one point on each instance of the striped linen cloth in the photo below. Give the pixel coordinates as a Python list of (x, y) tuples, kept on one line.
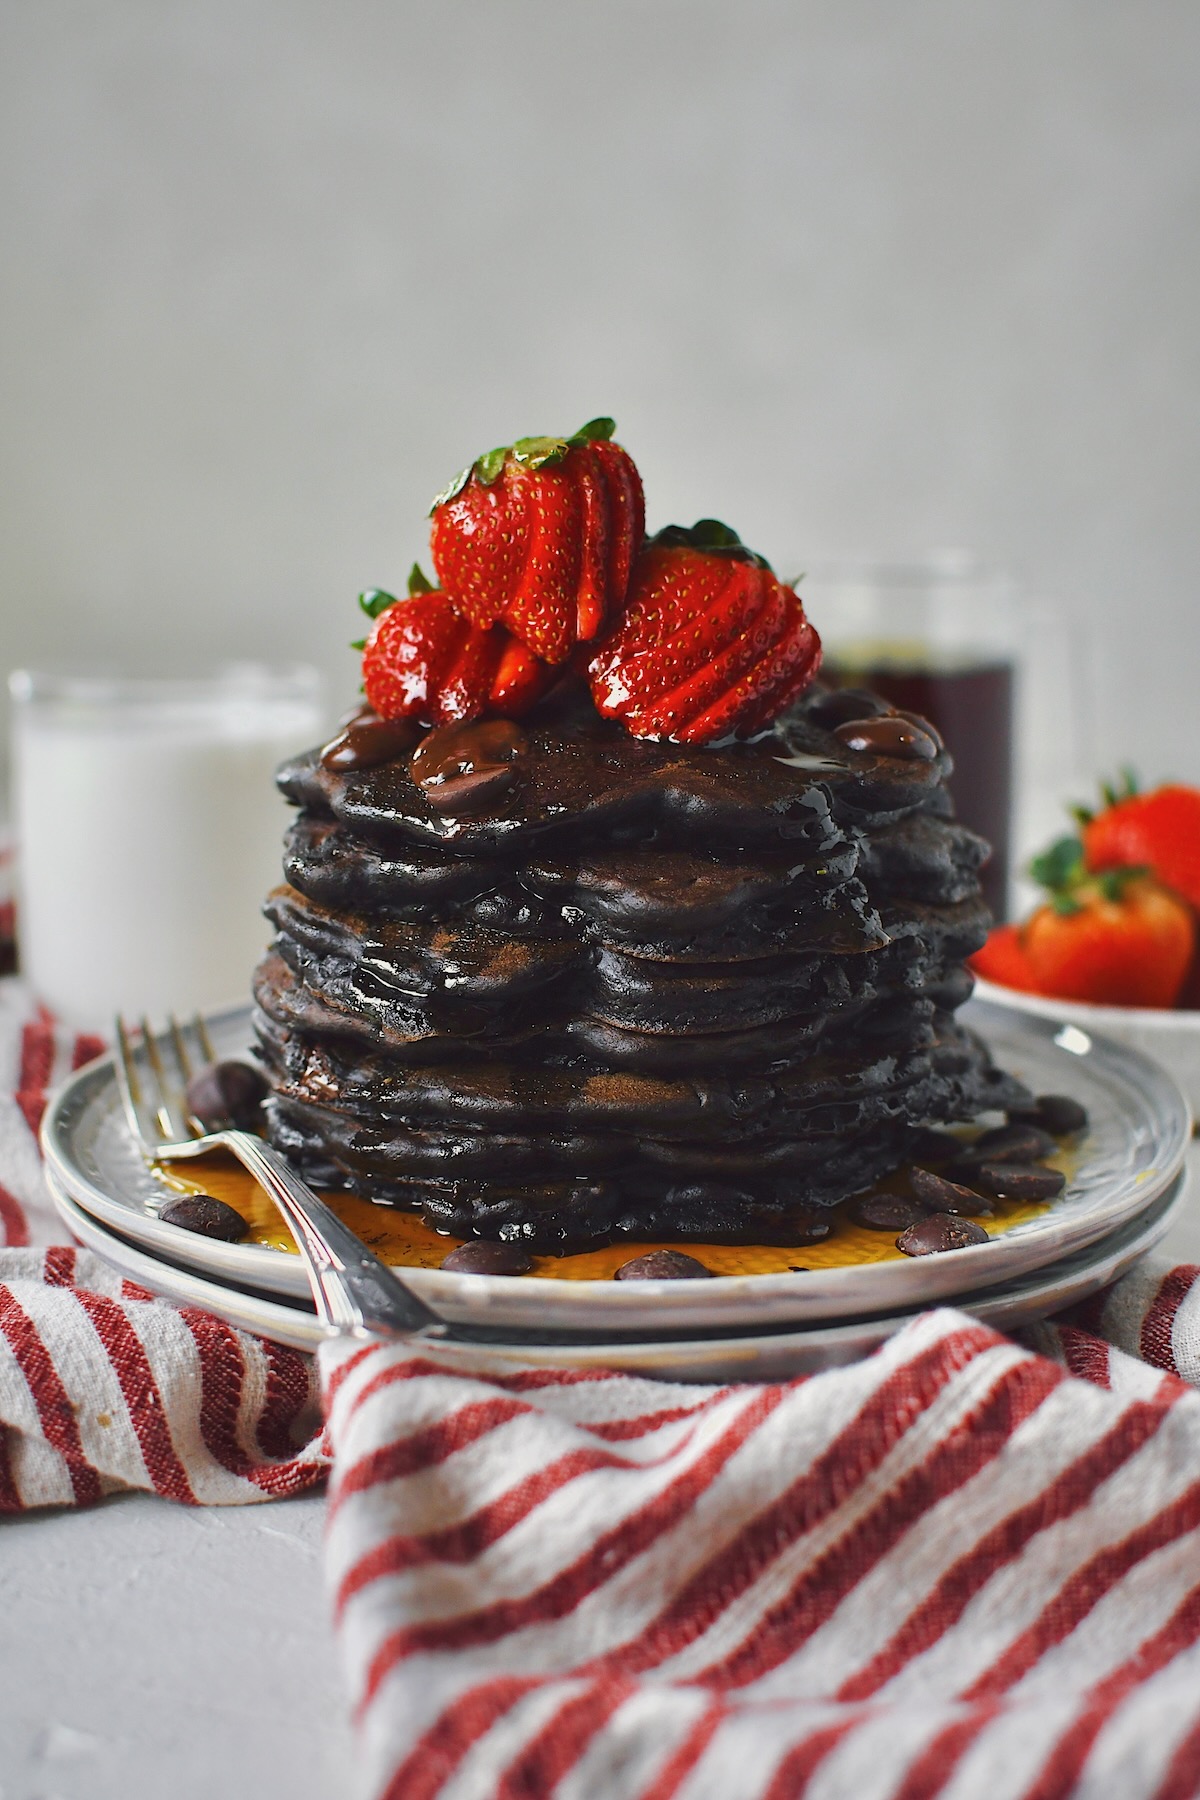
[(963, 1567), (103, 1387)]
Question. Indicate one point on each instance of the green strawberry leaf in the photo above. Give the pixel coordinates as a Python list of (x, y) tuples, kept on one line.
[(536, 452), (712, 536), (1113, 882), (488, 466), (456, 487), (358, 643), (596, 431), (531, 452), (418, 582), (374, 600), (1060, 867), (1125, 788)]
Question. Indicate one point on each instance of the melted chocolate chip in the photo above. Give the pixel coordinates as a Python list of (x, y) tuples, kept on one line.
[(1019, 1181), (227, 1096), (1013, 1143), (662, 1265), (463, 769), (888, 737), (1055, 1113), (843, 704), (483, 1256), (924, 725), (886, 1212), (938, 1232), (366, 741), (207, 1215), (947, 1196)]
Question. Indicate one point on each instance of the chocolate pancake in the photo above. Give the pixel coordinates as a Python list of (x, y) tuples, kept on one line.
[(653, 989)]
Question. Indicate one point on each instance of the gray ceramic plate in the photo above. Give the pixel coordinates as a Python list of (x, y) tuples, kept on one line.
[(1135, 1148), (766, 1356)]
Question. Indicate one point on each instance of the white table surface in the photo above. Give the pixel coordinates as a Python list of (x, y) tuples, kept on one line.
[(159, 1652)]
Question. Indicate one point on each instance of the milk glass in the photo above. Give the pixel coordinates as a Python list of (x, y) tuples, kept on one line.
[(148, 831)]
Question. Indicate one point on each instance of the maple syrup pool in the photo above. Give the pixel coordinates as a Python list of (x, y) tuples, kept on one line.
[(400, 1238)]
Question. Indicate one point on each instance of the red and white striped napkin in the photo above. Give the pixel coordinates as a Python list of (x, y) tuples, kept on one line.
[(103, 1387), (964, 1567), (955, 1568)]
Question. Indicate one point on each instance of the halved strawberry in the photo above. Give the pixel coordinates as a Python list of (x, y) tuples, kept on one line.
[(423, 660), (710, 644), (541, 535)]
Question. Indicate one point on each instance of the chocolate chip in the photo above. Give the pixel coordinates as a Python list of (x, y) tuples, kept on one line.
[(464, 796), (1012, 1143), (926, 725), (367, 740), (227, 1096), (1019, 1181), (948, 1196), (207, 1215), (662, 1265), (464, 769), (937, 1232), (484, 1256), (1055, 1113), (888, 737), (886, 1212), (843, 704)]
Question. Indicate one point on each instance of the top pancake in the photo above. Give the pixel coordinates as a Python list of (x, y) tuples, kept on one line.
[(581, 778)]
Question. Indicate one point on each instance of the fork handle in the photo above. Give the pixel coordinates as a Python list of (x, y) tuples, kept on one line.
[(354, 1292)]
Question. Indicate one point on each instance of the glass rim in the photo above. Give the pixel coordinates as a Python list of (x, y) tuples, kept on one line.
[(246, 680), (940, 568)]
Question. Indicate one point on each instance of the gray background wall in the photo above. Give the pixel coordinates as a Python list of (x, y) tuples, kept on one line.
[(857, 275)]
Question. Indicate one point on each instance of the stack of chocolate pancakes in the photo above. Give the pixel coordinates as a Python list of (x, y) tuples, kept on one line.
[(552, 983)]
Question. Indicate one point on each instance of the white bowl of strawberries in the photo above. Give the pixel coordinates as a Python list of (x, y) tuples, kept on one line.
[(1115, 948)]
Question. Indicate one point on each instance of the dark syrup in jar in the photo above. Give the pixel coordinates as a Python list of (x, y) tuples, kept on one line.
[(972, 706)]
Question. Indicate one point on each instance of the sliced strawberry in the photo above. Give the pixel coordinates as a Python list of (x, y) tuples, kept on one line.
[(710, 643), (543, 607), (424, 660), (626, 519), (768, 687), (541, 535)]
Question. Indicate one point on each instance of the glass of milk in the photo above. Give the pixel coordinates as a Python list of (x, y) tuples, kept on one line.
[(148, 832)]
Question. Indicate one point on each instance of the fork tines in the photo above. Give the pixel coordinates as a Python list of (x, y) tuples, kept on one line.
[(155, 1104)]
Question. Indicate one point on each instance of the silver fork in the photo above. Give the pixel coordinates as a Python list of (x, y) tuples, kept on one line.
[(354, 1292)]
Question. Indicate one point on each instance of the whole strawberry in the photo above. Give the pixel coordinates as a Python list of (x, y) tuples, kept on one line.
[(710, 643), (1117, 939), (1004, 959), (423, 660), (1159, 831), (541, 535)]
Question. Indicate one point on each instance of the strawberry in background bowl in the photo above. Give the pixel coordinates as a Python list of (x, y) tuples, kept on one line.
[(1115, 946)]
